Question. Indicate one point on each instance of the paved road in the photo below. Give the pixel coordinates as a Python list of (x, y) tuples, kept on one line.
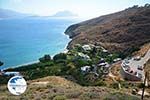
[(134, 63)]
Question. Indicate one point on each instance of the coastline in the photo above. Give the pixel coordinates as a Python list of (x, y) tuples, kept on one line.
[(34, 62), (20, 65)]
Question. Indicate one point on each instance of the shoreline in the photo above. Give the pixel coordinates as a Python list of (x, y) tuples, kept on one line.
[(34, 62), (20, 65)]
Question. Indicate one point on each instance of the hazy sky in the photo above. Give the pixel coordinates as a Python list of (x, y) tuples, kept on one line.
[(84, 8)]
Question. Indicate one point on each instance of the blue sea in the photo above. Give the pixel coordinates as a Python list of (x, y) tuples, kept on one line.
[(26, 40)]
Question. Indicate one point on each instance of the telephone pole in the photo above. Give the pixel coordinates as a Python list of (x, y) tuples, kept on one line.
[(142, 97)]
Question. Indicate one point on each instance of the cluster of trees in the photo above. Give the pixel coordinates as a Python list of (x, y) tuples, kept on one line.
[(57, 58), (61, 57), (137, 6), (147, 5), (46, 58)]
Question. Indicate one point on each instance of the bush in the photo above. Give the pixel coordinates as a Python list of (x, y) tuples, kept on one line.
[(120, 96), (124, 84), (110, 59), (141, 85), (60, 57), (80, 63), (84, 97), (60, 97), (115, 85), (78, 48), (75, 94), (46, 58), (100, 83), (89, 96), (4, 79), (90, 78)]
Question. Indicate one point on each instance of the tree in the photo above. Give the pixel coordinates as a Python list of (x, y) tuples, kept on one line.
[(135, 6), (46, 58), (147, 5), (60, 57)]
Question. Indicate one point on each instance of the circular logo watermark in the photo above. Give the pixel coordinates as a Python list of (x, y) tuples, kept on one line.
[(17, 85)]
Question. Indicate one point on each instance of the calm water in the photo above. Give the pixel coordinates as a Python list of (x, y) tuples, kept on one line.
[(25, 40)]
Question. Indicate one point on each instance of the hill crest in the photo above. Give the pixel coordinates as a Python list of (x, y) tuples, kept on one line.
[(121, 32)]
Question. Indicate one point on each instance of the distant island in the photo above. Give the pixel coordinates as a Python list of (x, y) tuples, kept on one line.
[(64, 14), (60, 14), (9, 14), (6, 14)]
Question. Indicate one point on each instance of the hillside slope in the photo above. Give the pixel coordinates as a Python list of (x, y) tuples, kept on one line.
[(58, 88), (122, 32)]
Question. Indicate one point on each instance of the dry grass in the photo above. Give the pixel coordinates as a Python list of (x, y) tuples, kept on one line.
[(58, 88)]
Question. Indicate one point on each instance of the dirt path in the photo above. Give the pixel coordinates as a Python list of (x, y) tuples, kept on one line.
[(40, 83)]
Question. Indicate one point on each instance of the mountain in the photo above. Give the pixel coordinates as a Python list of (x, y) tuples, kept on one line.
[(121, 32), (5, 13), (64, 14), (61, 14)]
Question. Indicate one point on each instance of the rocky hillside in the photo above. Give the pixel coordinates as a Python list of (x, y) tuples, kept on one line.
[(122, 32)]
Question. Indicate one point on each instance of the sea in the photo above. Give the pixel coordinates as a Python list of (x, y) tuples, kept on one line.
[(24, 41)]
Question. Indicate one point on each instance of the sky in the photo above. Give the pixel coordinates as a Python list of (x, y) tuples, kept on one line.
[(83, 8)]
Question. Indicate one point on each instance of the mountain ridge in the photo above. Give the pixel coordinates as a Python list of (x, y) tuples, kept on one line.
[(6, 13), (64, 13), (121, 32)]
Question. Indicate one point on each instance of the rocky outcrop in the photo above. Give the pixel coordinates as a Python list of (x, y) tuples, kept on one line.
[(121, 32)]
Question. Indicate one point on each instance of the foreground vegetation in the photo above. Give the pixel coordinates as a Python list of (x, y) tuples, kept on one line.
[(58, 88)]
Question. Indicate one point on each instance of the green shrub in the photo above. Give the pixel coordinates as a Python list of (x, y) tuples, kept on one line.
[(110, 59), (84, 97), (141, 85), (46, 58), (80, 63), (89, 96), (100, 83), (59, 57), (115, 85), (75, 94), (60, 97), (124, 84), (4, 79), (78, 48), (90, 78)]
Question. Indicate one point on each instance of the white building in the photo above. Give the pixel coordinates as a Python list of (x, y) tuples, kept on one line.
[(85, 68), (117, 59), (11, 73), (104, 66), (86, 47), (84, 56)]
